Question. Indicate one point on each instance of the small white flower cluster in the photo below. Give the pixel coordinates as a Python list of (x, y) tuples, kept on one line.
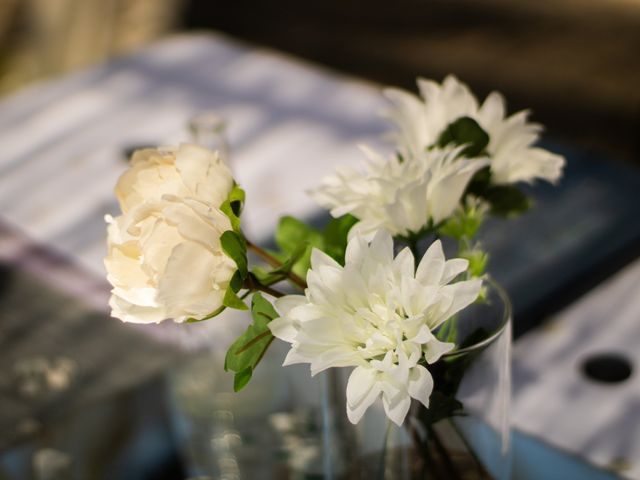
[(400, 195), (424, 183), (164, 259), (377, 314), (420, 123)]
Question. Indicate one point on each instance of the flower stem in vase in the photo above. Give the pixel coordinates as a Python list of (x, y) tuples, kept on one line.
[(452, 450), (387, 446)]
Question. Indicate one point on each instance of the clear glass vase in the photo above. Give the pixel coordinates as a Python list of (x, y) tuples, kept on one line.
[(465, 434), (209, 130), (286, 424)]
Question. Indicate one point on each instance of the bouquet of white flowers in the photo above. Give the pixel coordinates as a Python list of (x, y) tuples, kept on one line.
[(376, 293)]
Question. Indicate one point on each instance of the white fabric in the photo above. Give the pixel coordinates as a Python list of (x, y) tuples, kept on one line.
[(554, 401), (289, 125)]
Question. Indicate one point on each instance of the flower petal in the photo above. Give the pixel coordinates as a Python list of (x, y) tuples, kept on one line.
[(431, 267), (462, 294), (434, 349), (381, 248), (362, 391), (453, 268), (283, 328), (420, 384), (187, 287), (285, 304), (397, 407)]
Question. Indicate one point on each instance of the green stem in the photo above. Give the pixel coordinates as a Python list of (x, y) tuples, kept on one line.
[(482, 473), (451, 472), (252, 284), (463, 245), (385, 450), (274, 262)]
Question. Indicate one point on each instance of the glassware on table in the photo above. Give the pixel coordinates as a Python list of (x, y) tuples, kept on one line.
[(465, 440), (209, 130), (272, 429), (286, 424)]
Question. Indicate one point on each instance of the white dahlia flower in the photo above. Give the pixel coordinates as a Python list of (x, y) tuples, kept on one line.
[(421, 121), (399, 196), (377, 314)]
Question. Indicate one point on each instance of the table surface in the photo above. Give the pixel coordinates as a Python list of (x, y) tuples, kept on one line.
[(63, 144)]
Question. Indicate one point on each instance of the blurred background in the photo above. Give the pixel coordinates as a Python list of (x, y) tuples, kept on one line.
[(574, 63)]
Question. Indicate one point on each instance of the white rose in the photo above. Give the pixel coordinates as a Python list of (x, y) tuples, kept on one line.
[(165, 261), (188, 171)]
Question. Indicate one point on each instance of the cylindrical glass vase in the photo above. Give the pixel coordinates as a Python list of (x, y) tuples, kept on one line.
[(286, 424), (465, 434)]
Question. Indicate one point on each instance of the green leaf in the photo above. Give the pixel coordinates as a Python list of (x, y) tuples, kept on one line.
[(448, 331), (292, 235), (234, 245), (246, 352), (440, 406), (465, 131), (447, 375), (290, 261), (262, 310), (481, 179), (231, 298), (291, 232), (232, 206), (302, 266), (335, 236), (296, 241), (236, 199), (477, 261), (466, 220), (476, 336), (264, 276), (269, 277), (506, 200), (241, 379), (463, 224), (453, 227)]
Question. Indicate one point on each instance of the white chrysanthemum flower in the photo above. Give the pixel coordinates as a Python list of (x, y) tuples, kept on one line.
[(377, 314), (399, 196), (513, 158)]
